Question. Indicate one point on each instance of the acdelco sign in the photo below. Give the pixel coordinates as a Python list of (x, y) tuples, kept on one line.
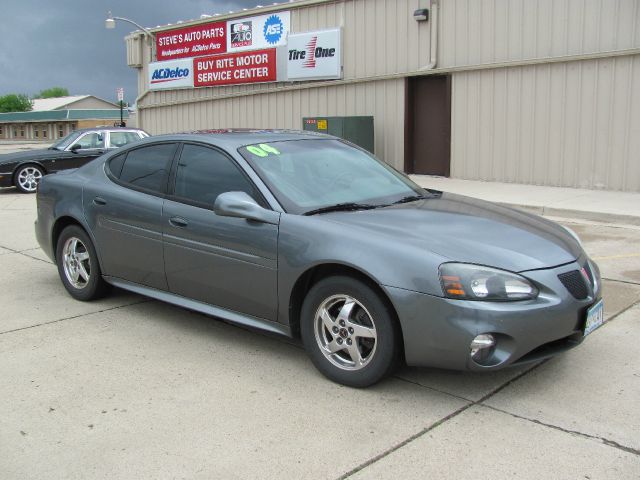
[(160, 75), (171, 74), (314, 55)]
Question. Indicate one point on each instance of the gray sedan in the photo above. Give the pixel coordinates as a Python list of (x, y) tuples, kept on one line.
[(306, 235)]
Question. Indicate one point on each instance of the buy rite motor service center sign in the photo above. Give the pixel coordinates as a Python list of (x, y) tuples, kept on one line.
[(237, 35), (256, 66)]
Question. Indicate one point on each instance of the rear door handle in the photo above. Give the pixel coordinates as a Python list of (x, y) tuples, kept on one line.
[(178, 222), (99, 201)]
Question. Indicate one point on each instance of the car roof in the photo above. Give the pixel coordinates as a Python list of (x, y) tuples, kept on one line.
[(111, 129), (234, 138)]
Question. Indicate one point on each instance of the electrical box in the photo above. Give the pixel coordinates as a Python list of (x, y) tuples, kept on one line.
[(358, 130)]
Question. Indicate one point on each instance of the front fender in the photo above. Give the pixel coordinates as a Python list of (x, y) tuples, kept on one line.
[(307, 242)]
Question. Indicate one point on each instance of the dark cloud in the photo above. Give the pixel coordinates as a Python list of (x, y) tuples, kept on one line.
[(65, 43)]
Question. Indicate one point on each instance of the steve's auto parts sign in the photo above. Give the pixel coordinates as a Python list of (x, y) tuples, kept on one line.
[(239, 34), (205, 39)]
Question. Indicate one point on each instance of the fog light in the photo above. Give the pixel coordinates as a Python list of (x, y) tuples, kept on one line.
[(482, 346)]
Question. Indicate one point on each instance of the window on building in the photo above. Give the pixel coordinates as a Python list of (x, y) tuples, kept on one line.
[(44, 133), (148, 167), (15, 132), (22, 131), (204, 173), (60, 132), (1, 131), (36, 133)]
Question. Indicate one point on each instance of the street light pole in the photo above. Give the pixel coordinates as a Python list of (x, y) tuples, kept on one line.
[(110, 23)]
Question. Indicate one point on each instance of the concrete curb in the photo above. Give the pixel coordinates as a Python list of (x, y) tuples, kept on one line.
[(601, 217)]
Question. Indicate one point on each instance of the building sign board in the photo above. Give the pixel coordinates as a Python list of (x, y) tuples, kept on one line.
[(314, 55), (256, 66), (204, 39), (262, 31), (171, 74), (210, 38)]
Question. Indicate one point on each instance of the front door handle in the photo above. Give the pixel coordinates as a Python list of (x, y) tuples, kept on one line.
[(178, 222), (99, 201)]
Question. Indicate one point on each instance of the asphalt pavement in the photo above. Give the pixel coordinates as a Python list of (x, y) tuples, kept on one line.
[(131, 388)]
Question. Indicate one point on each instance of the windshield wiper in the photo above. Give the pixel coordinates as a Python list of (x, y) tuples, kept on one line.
[(411, 198), (342, 207)]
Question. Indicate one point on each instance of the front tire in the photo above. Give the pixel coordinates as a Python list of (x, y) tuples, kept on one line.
[(349, 332), (78, 265), (27, 178)]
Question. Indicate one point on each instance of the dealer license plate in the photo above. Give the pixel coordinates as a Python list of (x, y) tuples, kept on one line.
[(595, 317)]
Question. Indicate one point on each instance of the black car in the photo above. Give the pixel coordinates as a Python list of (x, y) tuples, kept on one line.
[(25, 169)]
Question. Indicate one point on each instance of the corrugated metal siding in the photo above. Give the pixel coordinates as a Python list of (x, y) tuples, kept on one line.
[(487, 31), (382, 99), (381, 38), (573, 124)]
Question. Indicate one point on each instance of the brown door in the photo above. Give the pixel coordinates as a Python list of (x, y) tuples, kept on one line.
[(428, 125)]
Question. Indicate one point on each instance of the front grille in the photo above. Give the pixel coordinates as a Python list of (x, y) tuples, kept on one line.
[(575, 282)]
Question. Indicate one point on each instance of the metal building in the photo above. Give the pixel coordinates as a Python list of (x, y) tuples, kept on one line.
[(540, 92)]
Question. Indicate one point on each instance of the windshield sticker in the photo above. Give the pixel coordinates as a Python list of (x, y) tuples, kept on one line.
[(269, 149), (263, 150), (257, 151)]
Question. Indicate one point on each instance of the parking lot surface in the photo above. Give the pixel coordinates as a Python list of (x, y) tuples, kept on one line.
[(128, 387)]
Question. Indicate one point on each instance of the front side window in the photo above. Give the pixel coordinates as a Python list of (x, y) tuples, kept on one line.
[(65, 142), (148, 167), (305, 175), (204, 173), (91, 140), (119, 139)]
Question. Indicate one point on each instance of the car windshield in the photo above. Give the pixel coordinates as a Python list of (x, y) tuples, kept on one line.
[(308, 175), (65, 141)]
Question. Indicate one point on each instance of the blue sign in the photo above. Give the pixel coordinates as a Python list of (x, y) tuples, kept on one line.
[(273, 29)]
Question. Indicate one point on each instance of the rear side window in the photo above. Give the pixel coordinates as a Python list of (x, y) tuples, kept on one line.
[(119, 139), (115, 165), (148, 167), (204, 173)]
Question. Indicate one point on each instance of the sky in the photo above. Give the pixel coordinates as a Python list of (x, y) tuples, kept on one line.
[(64, 43)]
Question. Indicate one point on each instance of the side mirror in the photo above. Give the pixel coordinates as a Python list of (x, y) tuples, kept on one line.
[(75, 147), (241, 205)]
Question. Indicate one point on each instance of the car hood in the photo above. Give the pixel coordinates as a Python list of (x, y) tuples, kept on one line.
[(465, 229), (28, 155)]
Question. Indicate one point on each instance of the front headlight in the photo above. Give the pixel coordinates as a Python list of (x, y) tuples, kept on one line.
[(475, 282)]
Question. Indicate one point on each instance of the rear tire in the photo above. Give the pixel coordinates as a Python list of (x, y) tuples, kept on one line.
[(349, 332), (27, 177), (78, 265)]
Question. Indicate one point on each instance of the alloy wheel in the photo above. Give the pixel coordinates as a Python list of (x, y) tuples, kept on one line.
[(28, 178), (345, 332), (76, 264)]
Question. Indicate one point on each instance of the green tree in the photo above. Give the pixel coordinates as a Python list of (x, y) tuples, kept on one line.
[(53, 92), (15, 103)]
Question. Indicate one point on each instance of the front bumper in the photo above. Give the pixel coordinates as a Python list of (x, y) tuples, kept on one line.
[(6, 179), (438, 331)]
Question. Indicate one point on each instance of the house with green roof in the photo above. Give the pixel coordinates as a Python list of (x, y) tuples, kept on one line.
[(53, 118)]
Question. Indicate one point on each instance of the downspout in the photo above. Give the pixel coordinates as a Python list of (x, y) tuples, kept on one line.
[(433, 53)]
